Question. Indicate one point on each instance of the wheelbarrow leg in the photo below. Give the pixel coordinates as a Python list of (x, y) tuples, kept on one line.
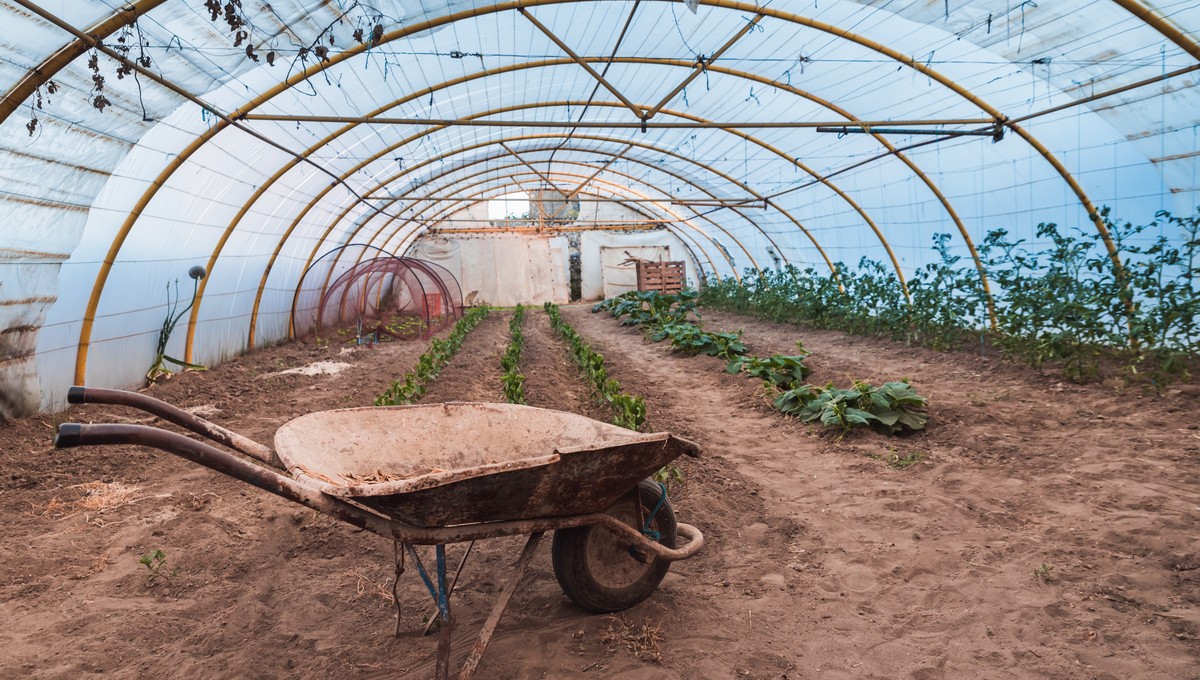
[(443, 651), (453, 584), (441, 597), (489, 626)]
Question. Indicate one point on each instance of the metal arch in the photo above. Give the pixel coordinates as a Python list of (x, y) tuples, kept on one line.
[(682, 235), (650, 166), (611, 185), (556, 62), (643, 145), (530, 65), (313, 202), (301, 76), (687, 239), (1163, 25), (501, 142), (252, 332), (330, 228), (50, 66), (683, 221), (316, 199)]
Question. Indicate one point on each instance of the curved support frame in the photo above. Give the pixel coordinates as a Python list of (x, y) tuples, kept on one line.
[(689, 242), (685, 222), (514, 183), (312, 203), (353, 51), (590, 151)]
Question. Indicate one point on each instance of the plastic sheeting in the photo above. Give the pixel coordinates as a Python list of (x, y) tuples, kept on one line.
[(602, 255), (503, 270), (102, 210)]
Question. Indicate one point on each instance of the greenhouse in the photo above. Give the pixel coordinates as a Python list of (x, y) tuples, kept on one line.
[(838, 338)]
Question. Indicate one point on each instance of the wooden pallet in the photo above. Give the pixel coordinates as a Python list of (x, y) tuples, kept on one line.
[(664, 277)]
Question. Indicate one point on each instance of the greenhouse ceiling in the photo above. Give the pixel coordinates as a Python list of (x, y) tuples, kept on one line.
[(140, 139)]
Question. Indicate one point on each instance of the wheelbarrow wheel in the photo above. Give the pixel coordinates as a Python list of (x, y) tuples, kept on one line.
[(604, 573)]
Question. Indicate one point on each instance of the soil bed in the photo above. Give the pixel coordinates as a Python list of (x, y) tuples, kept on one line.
[(1047, 531)]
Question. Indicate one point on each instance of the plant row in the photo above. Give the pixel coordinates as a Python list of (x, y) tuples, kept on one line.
[(513, 380), (431, 363), (628, 411), (1062, 301), (892, 407)]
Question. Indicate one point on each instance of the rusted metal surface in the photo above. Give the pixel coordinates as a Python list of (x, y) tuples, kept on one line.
[(460, 463), (189, 421), (74, 434)]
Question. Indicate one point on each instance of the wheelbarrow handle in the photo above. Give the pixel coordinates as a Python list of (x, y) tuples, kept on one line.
[(71, 435), (79, 394)]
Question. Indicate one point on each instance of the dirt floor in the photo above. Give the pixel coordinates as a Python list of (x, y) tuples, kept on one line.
[(1047, 530)]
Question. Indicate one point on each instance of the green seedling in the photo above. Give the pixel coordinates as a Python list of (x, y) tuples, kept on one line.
[(156, 562)]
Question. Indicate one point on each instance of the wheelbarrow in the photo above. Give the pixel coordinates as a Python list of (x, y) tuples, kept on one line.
[(451, 473)]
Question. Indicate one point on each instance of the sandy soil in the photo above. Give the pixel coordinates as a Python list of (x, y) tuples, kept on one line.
[(1049, 530)]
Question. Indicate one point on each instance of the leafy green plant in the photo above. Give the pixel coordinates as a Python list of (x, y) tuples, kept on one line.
[(1042, 574), (650, 308), (512, 379), (1058, 300), (778, 371), (431, 363), (691, 339), (891, 407), (670, 476), (155, 562), (628, 411), (899, 462)]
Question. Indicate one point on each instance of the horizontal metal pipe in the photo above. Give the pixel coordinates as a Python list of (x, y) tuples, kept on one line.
[(848, 130), (624, 125)]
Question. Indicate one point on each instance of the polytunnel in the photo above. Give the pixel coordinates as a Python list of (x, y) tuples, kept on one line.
[(665, 339), (140, 139)]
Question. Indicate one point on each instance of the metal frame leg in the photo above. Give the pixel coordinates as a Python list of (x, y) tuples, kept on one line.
[(489, 626), (441, 596)]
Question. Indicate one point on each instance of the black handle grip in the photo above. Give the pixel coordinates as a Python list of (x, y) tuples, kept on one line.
[(67, 435), (77, 394)]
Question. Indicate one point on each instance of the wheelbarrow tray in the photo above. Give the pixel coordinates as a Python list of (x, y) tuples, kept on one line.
[(463, 463)]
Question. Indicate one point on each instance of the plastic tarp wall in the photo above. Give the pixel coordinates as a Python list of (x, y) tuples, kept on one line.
[(502, 269), (594, 244)]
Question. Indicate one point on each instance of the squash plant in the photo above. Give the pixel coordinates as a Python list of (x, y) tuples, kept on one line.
[(891, 407), (778, 371)]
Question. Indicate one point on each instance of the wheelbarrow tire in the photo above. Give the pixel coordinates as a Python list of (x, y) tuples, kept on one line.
[(601, 572)]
